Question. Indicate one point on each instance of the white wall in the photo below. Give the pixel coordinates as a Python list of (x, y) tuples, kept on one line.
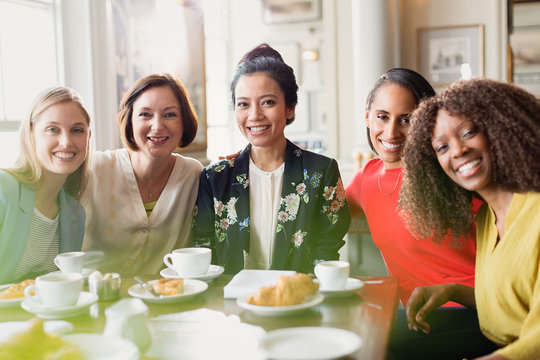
[(490, 13)]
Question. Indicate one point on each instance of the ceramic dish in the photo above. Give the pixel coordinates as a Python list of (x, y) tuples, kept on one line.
[(309, 343), (309, 302), (9, 302), (36, 307), (100, 347), (213, 272), (191, 288), (351, 287)]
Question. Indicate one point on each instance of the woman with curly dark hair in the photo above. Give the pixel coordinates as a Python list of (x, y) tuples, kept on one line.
[(481, 138)]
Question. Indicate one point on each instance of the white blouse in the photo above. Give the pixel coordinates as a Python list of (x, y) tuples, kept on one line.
[(264, 202), (117, 222)]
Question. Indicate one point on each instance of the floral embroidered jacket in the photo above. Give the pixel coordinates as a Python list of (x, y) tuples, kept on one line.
[(312, 220)]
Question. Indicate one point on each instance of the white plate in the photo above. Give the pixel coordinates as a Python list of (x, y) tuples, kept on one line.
[(310, 301), (35, 307), (352, 286), (9, 302), (191, 288), (213, 272), (309, 343), (99, 347), (10, 328)]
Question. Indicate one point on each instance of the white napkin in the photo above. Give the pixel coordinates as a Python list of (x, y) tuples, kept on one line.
[(204, 334), (247, 282)]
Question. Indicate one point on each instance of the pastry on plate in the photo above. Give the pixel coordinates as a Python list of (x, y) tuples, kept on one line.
[(15, 291), (289, 290), (169, 286)]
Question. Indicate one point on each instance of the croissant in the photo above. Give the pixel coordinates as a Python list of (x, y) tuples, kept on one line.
[(289, 290)]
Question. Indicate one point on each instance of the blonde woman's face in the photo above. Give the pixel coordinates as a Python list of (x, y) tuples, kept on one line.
[(61, 136)]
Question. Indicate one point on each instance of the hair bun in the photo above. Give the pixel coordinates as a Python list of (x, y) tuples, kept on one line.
[(261, 51)]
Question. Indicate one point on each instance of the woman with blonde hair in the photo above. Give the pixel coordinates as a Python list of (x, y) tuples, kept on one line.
[(40, 213), (140, 198)]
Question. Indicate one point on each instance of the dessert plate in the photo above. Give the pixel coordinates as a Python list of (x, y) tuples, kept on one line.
[(351, 287), (310, 301), (85, 300), (100, 347), (9, 302), (309, 343), (213, 272), (191, 288)]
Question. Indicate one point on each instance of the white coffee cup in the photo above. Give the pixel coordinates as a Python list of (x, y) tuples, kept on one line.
[(189, 261), (70, 262), (332, 275), (56, 290)]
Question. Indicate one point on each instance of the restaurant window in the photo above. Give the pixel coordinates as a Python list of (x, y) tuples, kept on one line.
[(29, 63)]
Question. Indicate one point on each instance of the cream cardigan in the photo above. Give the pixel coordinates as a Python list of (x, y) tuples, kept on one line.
[(116, 221)]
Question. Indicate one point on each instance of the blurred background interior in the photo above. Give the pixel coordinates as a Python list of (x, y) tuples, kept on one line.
[(337, 48)]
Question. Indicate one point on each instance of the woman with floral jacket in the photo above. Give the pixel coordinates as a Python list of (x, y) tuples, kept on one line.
[(273, 205)]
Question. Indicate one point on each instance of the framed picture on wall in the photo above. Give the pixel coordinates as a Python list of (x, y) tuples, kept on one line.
[(447, 54), (162, 36), (290, 11)]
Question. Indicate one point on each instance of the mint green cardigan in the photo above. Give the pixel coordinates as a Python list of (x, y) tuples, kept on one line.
[(16, 208)]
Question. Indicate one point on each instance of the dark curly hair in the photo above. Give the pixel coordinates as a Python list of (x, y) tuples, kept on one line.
[(509, 117), (266, 59), (407, 78)]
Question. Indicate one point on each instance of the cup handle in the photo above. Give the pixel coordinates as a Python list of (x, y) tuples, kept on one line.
[(167, 260), (56, 262), (315, 270), (28, 292)]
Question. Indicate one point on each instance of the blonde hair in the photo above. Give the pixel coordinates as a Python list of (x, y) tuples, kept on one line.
[(27, 168)]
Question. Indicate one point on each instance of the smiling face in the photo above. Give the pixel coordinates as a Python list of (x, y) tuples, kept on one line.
[(61, 138), (157, 123), (463, 151), (260, 110), (388, 122)]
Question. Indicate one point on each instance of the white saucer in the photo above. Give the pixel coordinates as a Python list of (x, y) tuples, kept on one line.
[(191, 288), (85, 300), (100, 347), (309, 343), (351, 287), (85, 272), (310, 301), (213, 272)]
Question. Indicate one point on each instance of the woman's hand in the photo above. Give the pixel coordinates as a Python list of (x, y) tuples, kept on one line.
[(425, 299)]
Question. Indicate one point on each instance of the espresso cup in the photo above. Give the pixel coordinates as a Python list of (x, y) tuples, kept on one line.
[(332, 275), (70, 262), (56, 290), (189, 261)]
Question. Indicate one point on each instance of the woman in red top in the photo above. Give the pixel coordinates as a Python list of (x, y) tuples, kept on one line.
[(375, 191)]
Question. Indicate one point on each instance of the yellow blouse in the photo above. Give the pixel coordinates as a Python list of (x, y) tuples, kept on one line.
[(507, 277)]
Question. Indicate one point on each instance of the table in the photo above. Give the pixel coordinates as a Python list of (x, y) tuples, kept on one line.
[(370, 313)]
